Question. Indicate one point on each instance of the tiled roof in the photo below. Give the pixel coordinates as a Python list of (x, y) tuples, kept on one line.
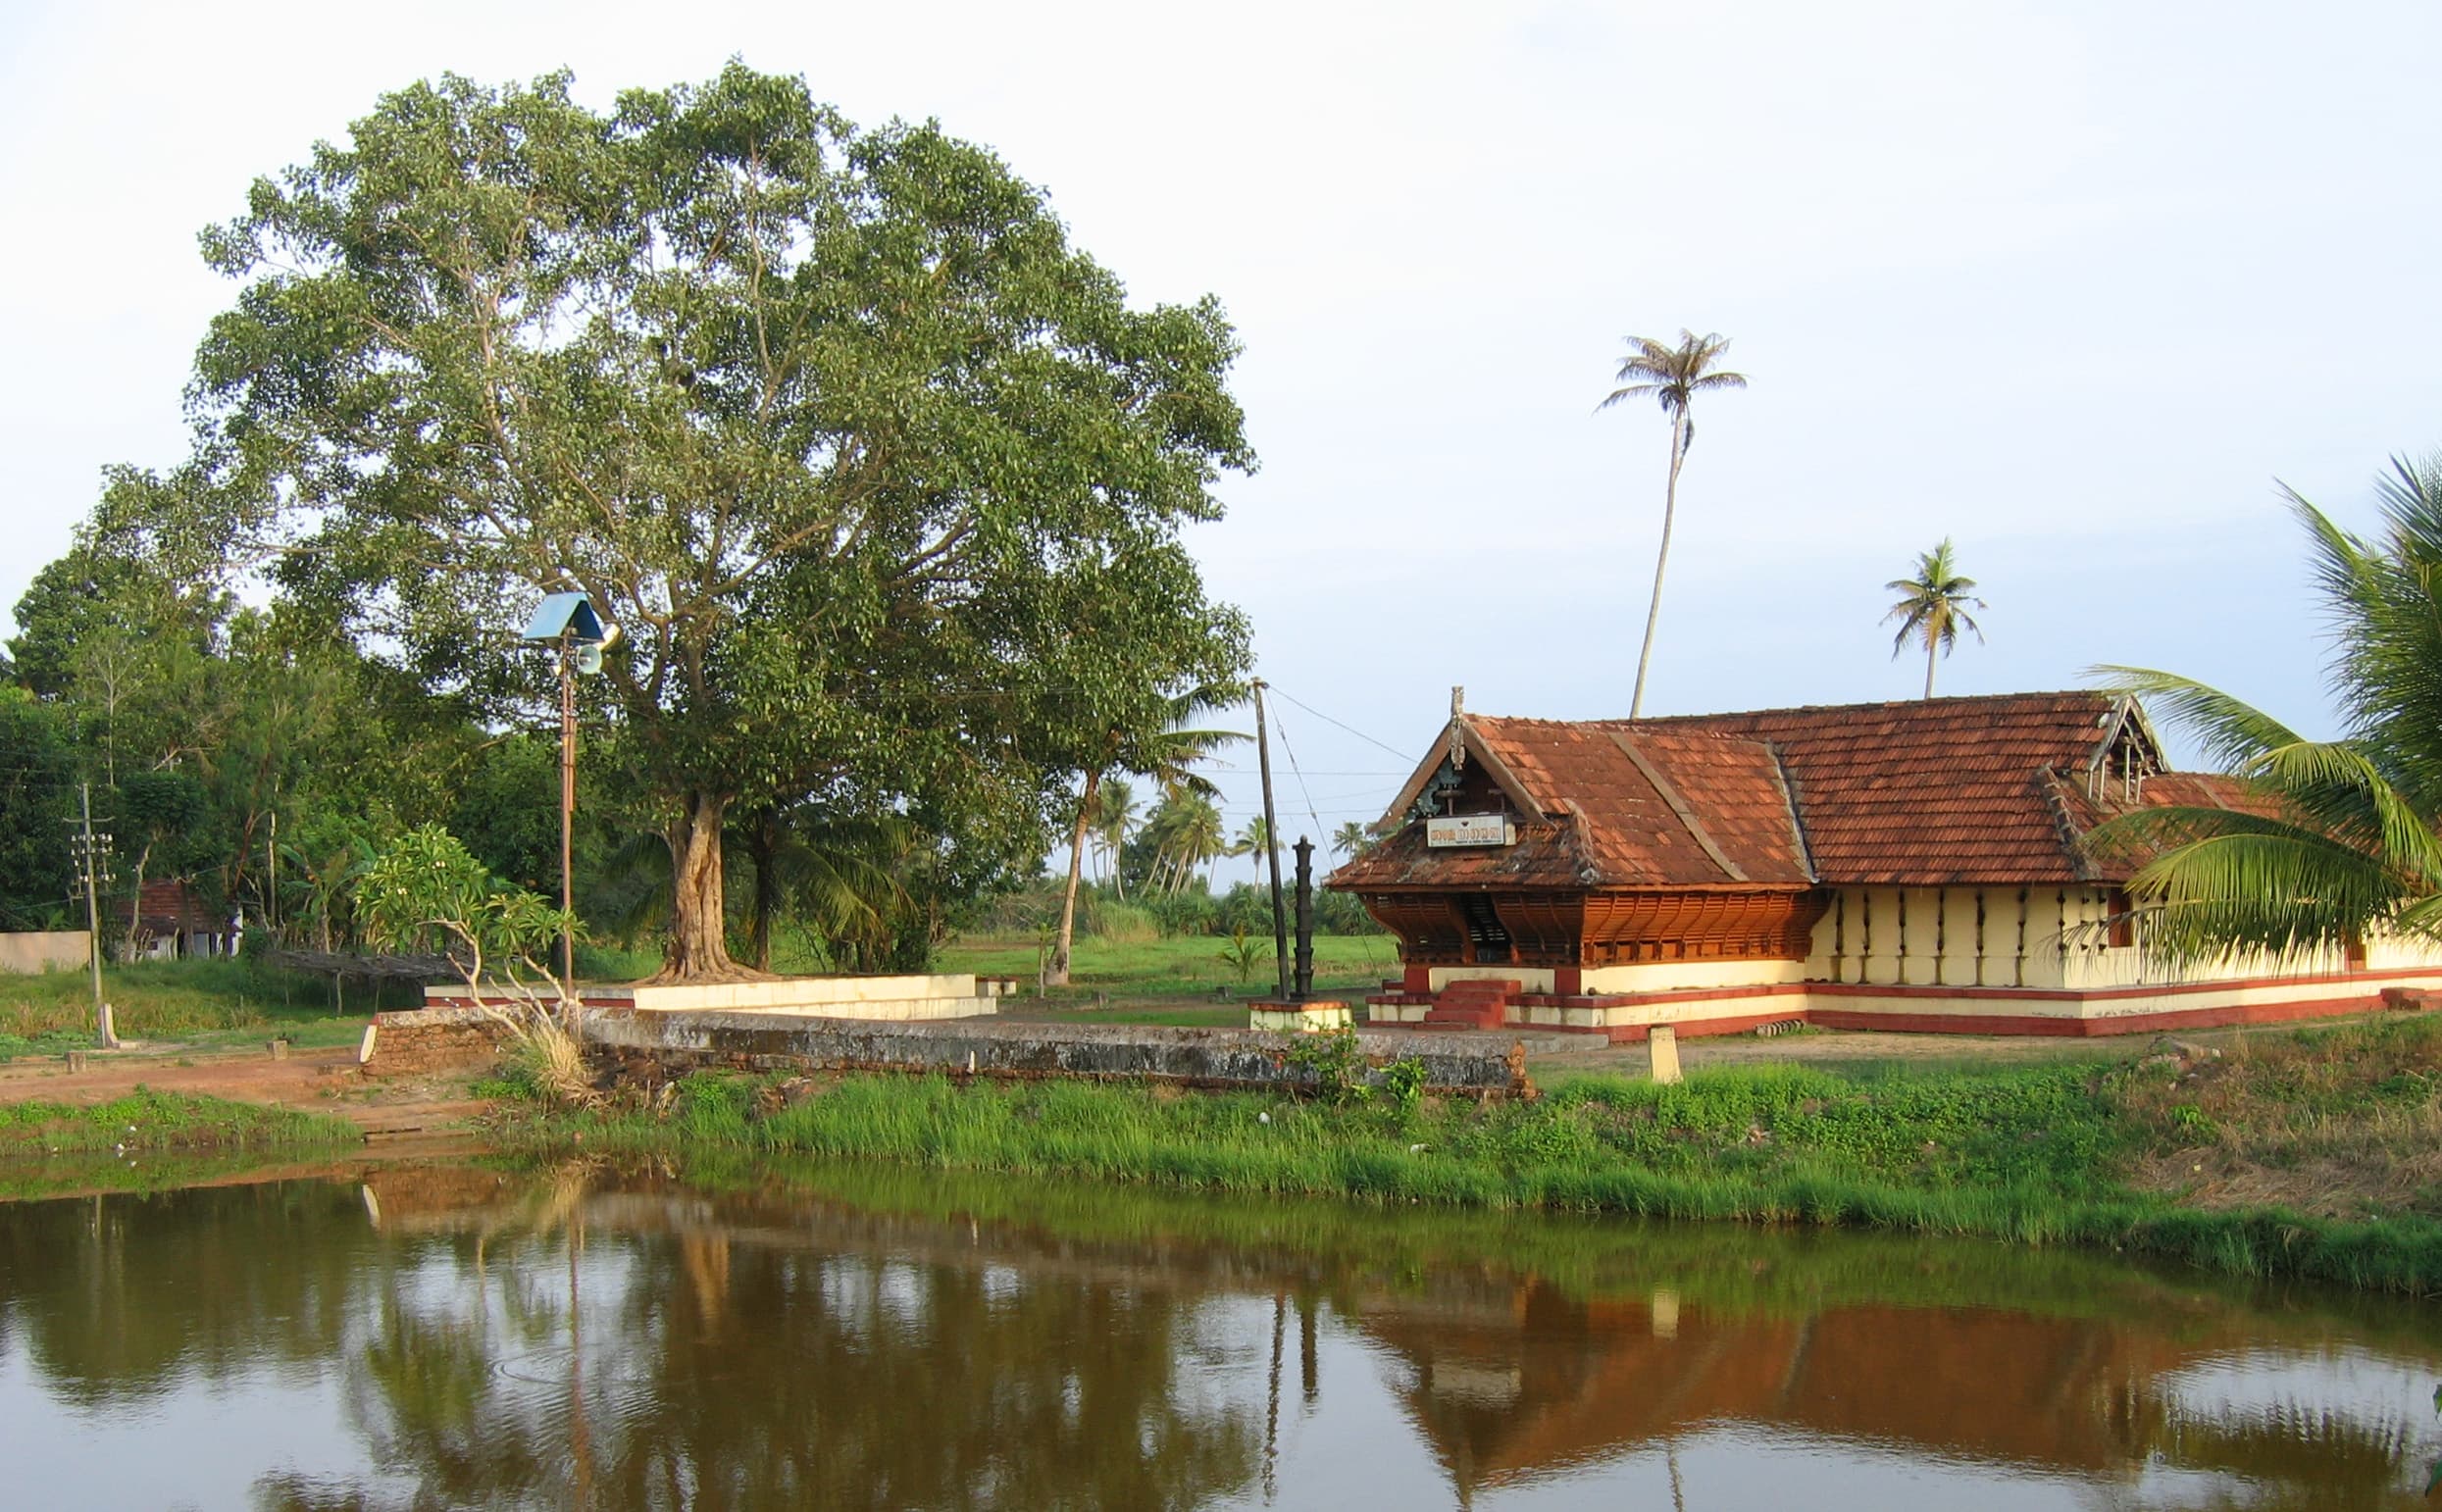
[(1618, 807), (169, 905), (1965, 792), (1931, 790), (2083, 807)]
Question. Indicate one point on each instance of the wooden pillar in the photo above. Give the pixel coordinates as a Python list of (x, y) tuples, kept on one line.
[(2020, 969)]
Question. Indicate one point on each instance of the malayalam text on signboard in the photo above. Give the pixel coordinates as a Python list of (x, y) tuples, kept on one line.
[(1468, 830)]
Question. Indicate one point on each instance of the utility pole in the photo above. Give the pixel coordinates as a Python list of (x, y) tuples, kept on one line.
[(91, 851), (1272, 849), (568, 808)]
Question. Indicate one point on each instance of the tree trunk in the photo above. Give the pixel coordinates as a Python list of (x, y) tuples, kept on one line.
[(1929, 644), (1055, 975), (1661, 557), (697, 949)]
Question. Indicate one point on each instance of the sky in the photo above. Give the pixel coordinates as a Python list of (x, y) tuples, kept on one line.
[(2078, 286)]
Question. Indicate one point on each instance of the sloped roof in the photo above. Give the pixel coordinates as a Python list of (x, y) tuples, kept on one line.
[(1600, 805), (2083, 807), (1935, 791), (1967, 791)]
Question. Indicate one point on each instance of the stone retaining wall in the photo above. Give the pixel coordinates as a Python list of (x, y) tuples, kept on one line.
[(421, 1039), (648, 1048)]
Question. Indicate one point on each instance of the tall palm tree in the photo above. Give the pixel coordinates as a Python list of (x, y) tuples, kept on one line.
[(2342, 843), (1672, 376), (1933, 607), (1351, 839), (1254, 840), (1114, 818), (1169, 756)]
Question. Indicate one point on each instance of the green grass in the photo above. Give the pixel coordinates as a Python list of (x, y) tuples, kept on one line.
[(150, 1142), (193, 1001), (2043, 1154), (146, 1121)]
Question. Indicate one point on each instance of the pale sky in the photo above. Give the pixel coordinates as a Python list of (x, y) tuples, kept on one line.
[(2071, 283)]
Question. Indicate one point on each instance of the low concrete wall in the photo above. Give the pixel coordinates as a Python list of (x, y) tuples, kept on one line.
[(650, 1047), (50, 950)]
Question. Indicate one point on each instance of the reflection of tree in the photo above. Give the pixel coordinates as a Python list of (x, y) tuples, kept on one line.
[(114, 1297), (795, 1368), (847, 1378), (669, 1349)]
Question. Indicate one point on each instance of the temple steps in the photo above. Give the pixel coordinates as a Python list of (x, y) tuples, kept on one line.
[(1471, 1004)]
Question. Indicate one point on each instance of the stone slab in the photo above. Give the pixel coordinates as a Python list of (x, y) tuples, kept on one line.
[(1298, 1018)]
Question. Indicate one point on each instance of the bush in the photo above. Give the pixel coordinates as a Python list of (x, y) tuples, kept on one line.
[(1120, 923), (1190, 913)]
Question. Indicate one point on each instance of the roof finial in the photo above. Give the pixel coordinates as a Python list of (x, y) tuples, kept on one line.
[(1458, 700)]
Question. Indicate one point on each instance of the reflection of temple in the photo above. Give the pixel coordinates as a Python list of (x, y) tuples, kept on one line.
[(1075, 1346), (1511, 1380)]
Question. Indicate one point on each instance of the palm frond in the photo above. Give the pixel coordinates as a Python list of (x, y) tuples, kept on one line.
[(2231, 732)]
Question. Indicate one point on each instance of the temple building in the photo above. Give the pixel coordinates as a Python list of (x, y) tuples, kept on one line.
[(1907, 865)]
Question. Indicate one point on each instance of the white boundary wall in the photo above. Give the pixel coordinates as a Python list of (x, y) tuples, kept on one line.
[(49, 950)]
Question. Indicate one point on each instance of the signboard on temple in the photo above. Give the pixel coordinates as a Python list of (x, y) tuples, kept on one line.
[(1467, 829)]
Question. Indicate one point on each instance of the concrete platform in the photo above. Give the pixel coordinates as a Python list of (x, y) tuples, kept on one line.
[(945, 996)]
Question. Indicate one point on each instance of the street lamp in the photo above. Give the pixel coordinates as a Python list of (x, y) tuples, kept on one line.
[(569, 621)]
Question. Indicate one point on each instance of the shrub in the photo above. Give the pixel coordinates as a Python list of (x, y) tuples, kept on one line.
[(1120, 923)]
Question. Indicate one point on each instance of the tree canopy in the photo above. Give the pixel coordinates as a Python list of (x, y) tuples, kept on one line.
[(835, 423)]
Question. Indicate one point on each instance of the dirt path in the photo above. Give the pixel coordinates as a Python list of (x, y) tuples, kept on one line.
[(420, 1108), (1705, 1052)]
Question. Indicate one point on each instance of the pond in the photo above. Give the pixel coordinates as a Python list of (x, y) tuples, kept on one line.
[(455, 1336)]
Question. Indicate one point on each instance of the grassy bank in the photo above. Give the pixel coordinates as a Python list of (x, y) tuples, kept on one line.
[(2159, 1155), (150, 1142), (198, 1002)]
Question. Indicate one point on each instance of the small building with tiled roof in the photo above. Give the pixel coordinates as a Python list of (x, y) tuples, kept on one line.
[(168, 919), (1917, 865)]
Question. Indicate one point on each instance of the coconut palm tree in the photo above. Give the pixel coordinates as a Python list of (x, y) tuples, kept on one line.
[(1933, 607), (1254, 840), (1350, 840), (1186, 832), (2341, 842), (1672, 376), (1114, 818), (1169, 756)]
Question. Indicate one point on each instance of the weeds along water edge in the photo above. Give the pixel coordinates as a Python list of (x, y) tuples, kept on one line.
[(2061, 1154)]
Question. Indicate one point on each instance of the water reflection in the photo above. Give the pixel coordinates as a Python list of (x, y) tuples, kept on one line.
[(442, 1337)]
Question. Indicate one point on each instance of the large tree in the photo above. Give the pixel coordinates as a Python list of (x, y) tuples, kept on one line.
[(1671, 377), (1933, 607), (2340, 842), (829, 419)]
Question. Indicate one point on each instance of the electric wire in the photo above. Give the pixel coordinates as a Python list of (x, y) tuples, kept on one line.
[(1328, 720), (1321, 837)]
